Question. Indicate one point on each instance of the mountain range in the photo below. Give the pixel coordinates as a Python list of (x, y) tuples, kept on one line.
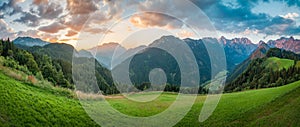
[(238, 52), (289, 44), (28, 41)]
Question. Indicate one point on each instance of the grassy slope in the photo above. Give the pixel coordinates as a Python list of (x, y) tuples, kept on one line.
[(284, 111), (278, 63), (24, 105), (235, 105)]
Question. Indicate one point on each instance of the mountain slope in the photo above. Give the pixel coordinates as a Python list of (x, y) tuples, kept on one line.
[(23, 104), (62, 54), (30, 42), (271, 114), (260, 52), (277, 68), (236, 50)]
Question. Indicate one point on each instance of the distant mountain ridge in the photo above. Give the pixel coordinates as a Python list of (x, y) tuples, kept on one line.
[(104, 53), (30, 42), (236, 50), (289, 44)]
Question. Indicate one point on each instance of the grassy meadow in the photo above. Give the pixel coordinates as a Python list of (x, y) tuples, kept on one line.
[(25, 104), (278, 63)]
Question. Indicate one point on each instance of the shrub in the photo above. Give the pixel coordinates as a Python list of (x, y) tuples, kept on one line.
[(32, 79)]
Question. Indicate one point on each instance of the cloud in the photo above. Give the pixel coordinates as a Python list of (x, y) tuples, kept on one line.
[(28, 33), (71, 33), (38, 2), (249, 32), (79, 12), (5, 30), (76, 7), (49, 37), (96, 11), (52, 28), (185, 34), (180, 12), (28, 19), (239, 18), (290, 16), (98, 30), (48, 10), (291, 2), (39, 11), (75, 22), (11, 8), (150, 19)]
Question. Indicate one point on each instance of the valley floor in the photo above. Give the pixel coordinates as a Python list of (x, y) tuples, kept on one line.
[(23, 104)]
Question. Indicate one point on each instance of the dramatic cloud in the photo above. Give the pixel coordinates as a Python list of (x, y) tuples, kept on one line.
[(49, 37), (53, 28), (47, 10), (176, 14), (10, 8), (237, 17), (48, 18), (38, 2), (29, 19), (28, 33), (96, 11), (77, 7), (75, 22), (5, 30), (71, 33), (292, 16), (150, 19)]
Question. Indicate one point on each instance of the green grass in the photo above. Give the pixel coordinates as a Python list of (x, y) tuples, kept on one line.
[(278, 63), (24, 104), (298, 64), (27, 105), (234, 105)]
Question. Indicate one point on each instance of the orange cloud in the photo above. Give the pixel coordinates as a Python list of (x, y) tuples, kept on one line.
[(81, 6), (71, 33), (38, 2), (48, 37), (151, 19), (52, 28)]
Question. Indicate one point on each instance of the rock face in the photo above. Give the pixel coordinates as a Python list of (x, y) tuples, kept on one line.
[(30, 42), (289, 44), (237, 50), (261, 51)]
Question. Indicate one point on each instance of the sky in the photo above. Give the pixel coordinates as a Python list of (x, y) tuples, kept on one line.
[(87, 23)]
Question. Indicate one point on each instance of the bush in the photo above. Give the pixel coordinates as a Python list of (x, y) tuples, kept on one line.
[(32, 79)]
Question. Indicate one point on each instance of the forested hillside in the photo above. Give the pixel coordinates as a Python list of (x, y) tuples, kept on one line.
[(52, 62), (277, 68)]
